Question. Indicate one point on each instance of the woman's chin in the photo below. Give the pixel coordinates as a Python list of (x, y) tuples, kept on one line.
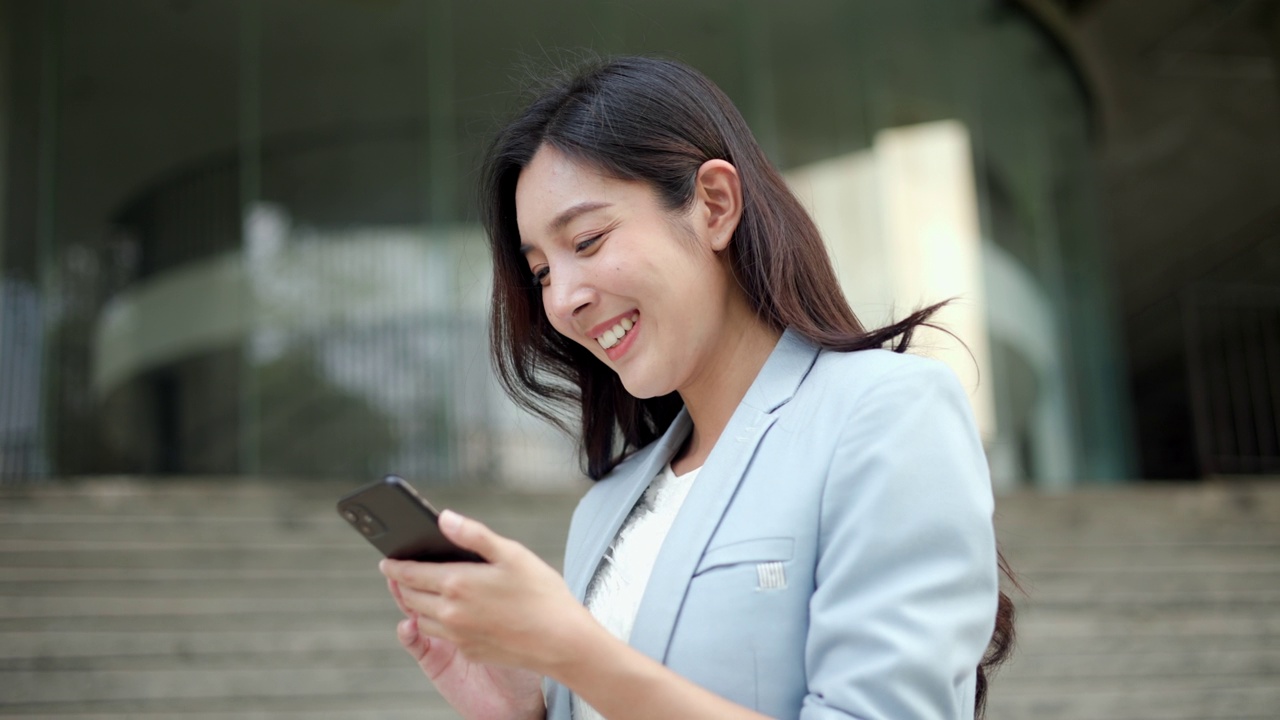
[(641, 390)]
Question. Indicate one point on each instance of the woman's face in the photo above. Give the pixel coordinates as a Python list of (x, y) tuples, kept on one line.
[(639, 286)]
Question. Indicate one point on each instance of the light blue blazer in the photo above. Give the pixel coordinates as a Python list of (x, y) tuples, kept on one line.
[(835, 557)]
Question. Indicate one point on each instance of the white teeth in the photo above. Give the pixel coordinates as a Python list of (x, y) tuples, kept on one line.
[(614, 335)]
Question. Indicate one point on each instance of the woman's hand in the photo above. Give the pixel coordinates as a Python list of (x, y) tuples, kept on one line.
[(500, 624), (516, 612), (476, 691)]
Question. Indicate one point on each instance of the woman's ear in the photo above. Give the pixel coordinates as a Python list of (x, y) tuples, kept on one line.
[(719, 202)]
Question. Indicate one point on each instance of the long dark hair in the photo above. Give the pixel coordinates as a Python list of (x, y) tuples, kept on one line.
[(657, 121)]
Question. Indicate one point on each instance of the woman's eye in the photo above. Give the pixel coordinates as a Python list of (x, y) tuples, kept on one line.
[(540, 276), (586, 244)]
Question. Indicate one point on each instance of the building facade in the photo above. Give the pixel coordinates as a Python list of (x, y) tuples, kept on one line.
[(240, 237)]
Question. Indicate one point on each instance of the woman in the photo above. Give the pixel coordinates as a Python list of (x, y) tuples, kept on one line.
[(789, 522)]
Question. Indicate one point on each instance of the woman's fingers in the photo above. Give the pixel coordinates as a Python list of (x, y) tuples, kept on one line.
[(426, 576), (425, 641), (431, 653), (420, 603), (472, 535), (394, 587), (415, 642), (411, 585), (501, 611), (428, 630)]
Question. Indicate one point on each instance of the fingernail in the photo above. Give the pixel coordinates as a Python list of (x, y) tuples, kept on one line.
[(450, 520), (382, 566)]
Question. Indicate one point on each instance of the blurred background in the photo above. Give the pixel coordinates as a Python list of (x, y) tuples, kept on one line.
[(240, 271), (240, 237)]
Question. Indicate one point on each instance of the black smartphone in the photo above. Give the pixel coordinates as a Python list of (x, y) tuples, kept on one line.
[(392, 516)]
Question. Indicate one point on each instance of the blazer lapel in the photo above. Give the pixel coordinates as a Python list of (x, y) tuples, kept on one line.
[(617, 498), (712, 492)]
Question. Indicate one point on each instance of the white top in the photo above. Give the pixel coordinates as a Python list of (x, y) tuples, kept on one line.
[(613, 596)]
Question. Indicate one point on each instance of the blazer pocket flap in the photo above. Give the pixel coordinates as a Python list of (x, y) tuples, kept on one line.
[(756, 550)]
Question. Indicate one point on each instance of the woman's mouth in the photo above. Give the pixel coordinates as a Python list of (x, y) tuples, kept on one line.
[(614, 335)]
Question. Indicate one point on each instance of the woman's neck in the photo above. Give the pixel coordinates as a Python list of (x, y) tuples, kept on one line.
[(712, 401)]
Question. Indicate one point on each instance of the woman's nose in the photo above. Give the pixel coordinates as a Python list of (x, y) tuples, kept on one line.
[(568, 295)]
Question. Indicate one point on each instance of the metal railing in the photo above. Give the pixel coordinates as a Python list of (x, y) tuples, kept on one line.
[(1233, 363)]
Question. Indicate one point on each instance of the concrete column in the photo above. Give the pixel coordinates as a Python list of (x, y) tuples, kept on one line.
[(442, 171), (760, 108), (442, 145), (6, 53), (930, 221), (49, 278), (1271, 17), (250, 141)]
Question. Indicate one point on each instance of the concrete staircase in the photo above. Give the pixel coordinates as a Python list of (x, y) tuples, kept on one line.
[(1145, 602), (236, 599)]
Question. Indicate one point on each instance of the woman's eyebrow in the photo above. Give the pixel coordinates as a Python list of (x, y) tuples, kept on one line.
[(568, 216)]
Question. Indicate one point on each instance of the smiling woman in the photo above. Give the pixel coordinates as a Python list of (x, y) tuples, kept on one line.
[(617, 255), (789, 520)]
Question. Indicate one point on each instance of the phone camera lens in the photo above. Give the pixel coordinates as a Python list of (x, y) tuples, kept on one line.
[(363, 520)]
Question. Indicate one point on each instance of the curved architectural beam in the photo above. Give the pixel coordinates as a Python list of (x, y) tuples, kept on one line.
[(1056, 25), (363, 277)]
